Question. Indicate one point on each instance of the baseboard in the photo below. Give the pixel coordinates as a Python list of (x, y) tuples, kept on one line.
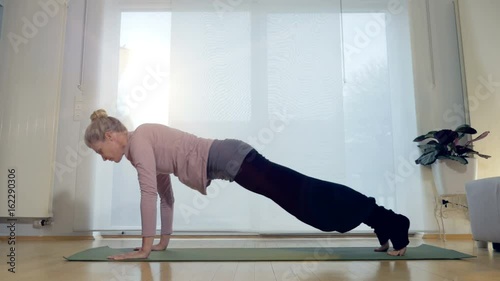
[(192, 236), (48, 238), (249, 236), (197, 236), (437, 236), (424, 236)]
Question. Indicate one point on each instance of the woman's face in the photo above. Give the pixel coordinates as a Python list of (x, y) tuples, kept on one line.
[(111, 148)]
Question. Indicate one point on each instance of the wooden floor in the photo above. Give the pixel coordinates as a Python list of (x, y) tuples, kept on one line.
[(43, 260)]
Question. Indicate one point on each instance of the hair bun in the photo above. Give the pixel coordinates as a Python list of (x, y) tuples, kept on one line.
[(100, 113)]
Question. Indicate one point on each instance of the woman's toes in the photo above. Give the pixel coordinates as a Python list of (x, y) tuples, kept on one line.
[(399, 235), (397, 253), (382, 248)]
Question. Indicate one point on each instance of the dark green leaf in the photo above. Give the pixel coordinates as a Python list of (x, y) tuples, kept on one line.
[(465, 129), (460, 149), (427, 158), (424, 137), (460, 159), (446, 136)]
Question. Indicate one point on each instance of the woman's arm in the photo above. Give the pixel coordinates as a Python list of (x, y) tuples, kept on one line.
[(145, 164), (166, 209)]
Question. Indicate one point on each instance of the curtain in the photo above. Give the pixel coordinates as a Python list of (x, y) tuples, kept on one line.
[(319, 86), (268, 73)]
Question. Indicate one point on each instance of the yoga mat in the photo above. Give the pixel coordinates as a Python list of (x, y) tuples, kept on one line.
[(422, 252)]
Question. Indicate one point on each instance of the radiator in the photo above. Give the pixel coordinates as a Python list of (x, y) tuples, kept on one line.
[(31, 52)]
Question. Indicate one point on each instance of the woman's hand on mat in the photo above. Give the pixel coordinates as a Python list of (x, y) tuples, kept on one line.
[(142, 253), (130, 255)]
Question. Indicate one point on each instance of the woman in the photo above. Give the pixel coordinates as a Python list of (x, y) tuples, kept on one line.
[(157, 151)]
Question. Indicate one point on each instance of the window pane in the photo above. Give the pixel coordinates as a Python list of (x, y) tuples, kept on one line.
[(211, 55), (367, 104), (144, 68), (304, 65), (143, 97)]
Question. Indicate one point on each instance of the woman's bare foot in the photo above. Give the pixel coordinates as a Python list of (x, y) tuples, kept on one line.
[(156, 247), (382, 248), (397, 253), (399, 236)]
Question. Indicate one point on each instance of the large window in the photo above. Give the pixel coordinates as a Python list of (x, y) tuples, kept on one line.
[(310, 84), (143, 97), (144, 67), (368, 123)]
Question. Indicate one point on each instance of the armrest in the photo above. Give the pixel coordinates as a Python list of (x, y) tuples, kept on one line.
[(483, 198)]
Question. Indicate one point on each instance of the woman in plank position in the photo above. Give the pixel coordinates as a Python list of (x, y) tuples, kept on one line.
[(157, 151)]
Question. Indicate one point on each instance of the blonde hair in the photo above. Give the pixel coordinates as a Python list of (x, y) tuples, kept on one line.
[(100, 124)]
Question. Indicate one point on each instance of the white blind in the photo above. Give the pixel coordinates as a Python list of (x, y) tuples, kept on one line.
[(313, 85)]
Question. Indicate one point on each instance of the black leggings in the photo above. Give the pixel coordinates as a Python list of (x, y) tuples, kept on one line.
[(324, 205)]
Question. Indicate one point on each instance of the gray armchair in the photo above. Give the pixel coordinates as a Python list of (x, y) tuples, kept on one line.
[(483, 197)]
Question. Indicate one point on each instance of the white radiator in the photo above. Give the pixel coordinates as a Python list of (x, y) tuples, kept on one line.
[(31, 52)]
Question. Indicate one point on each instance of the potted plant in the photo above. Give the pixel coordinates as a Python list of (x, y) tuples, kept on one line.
[(451, 157)]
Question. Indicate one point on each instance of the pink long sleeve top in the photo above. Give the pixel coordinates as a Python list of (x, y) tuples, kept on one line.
[(156, 151)]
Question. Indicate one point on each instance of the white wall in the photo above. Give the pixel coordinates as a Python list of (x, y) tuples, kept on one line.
[(432, 98), (481, 46), (46, 59), (438, 86), (30, 77)]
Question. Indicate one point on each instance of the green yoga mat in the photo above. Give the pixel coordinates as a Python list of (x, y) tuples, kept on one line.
[(422, 252)]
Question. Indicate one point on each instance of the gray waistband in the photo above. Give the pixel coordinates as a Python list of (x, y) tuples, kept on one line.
[(225, 158)]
